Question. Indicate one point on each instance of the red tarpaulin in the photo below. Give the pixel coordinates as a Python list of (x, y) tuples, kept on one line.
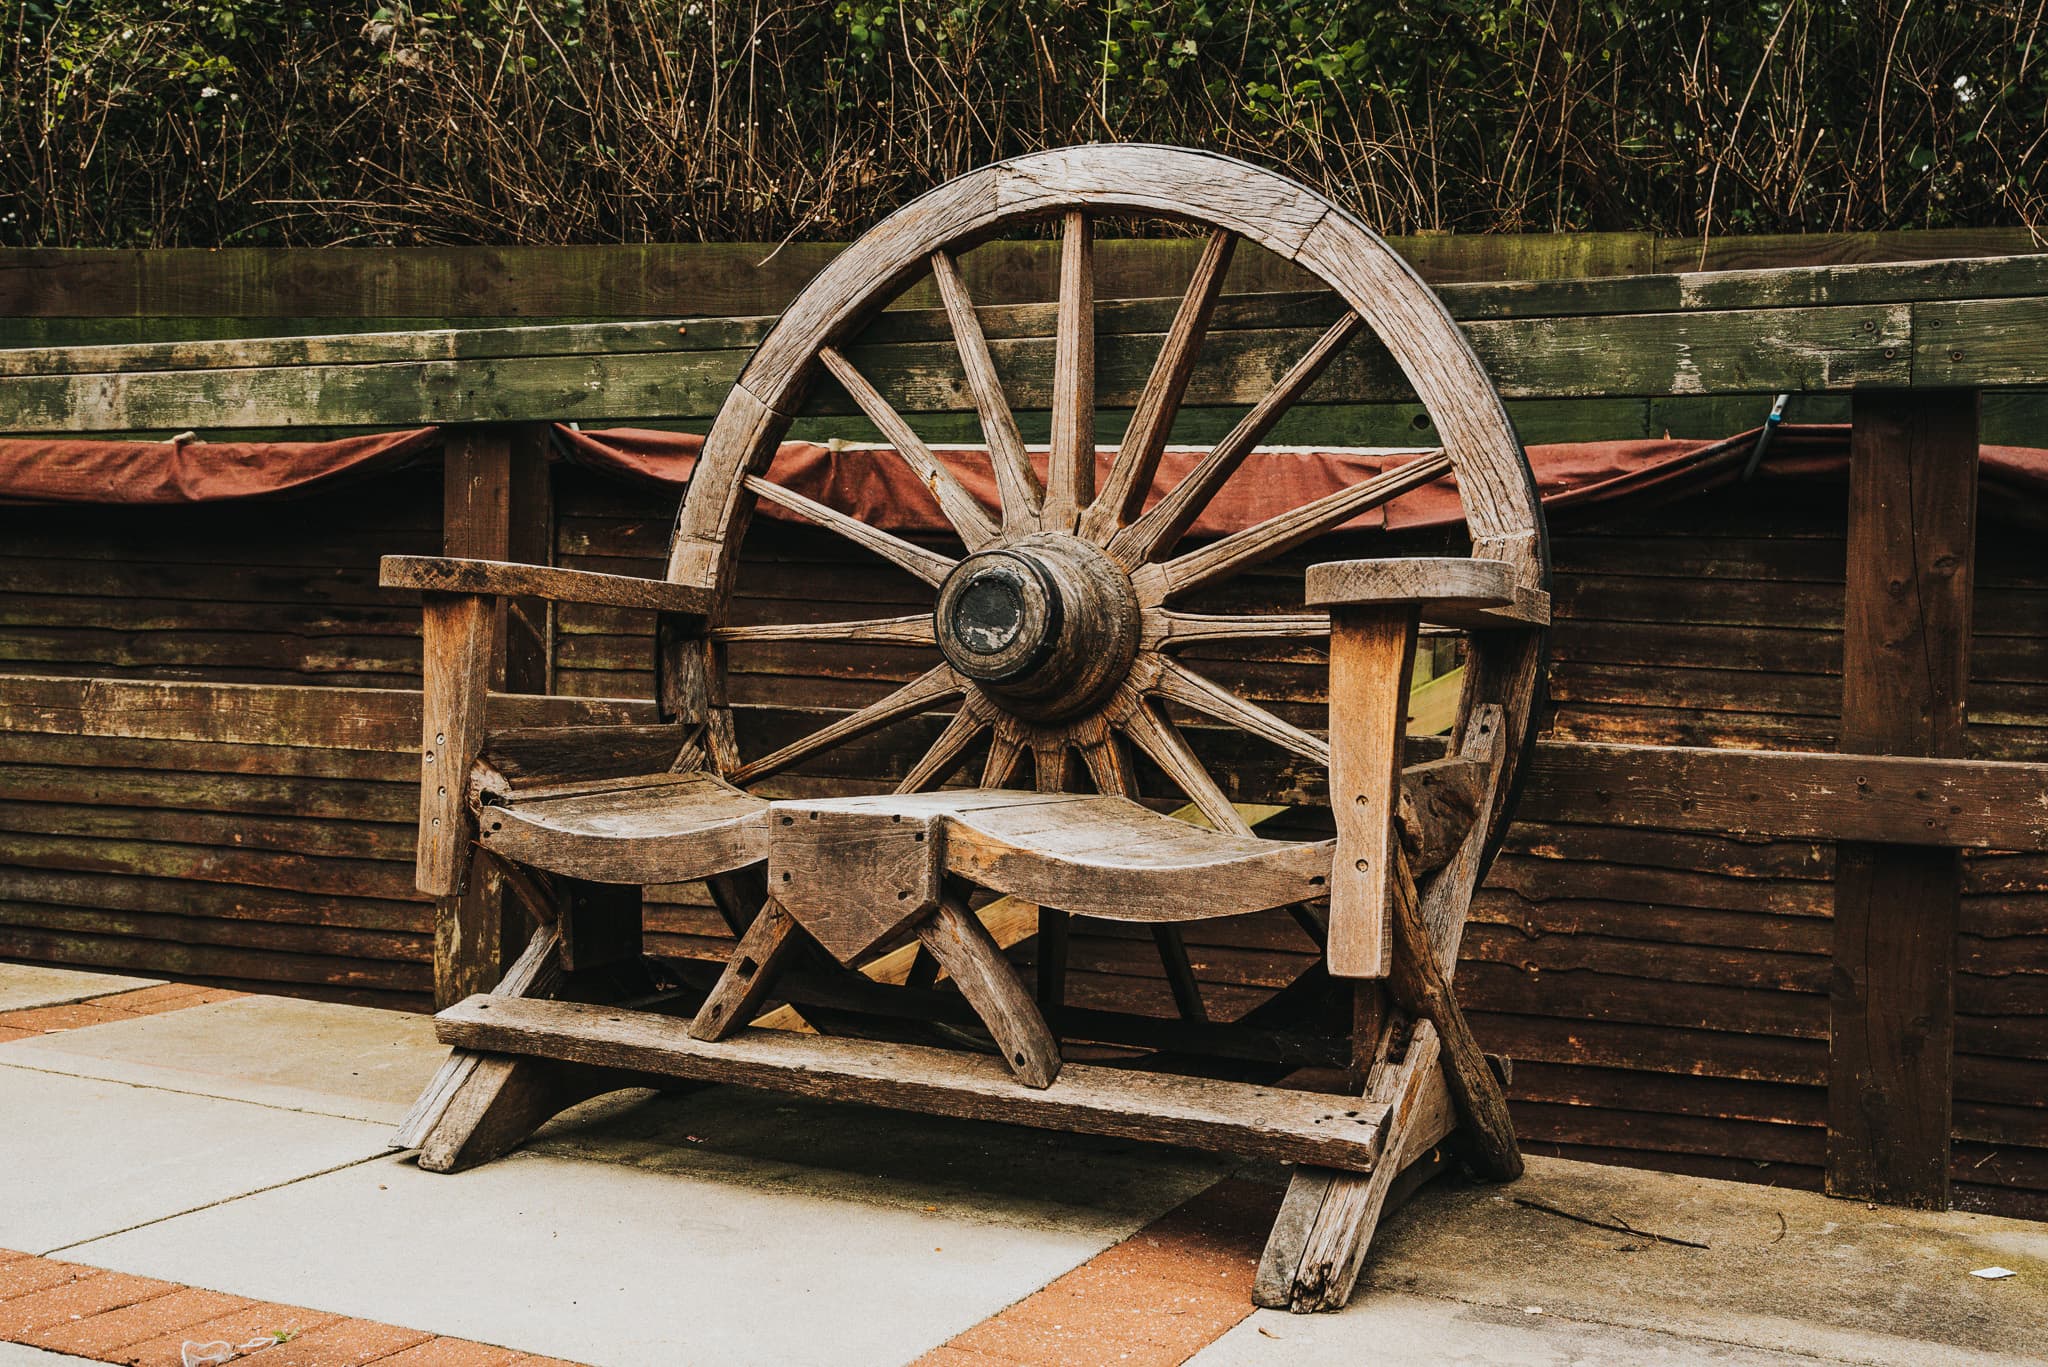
[(874, 484), (65, 471)]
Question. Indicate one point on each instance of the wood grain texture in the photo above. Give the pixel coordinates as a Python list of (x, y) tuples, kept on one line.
[(1887, 799), (537, 972), (914, 559), (963, 947), (961, 508), (1419, 985), (1123, 495), (854, 873), (1447, 590), (1372, 655), (455, 639), (749, 973), (1318, 1247), (290, 290), (1113, 858), (442, 574), (1070, 474), (657, 828), (1016, 482), (1912, 539), (1229, 1117), (1160, 527)]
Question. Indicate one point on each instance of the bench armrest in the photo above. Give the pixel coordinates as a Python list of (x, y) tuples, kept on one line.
[(444, 574), (1451, 591)]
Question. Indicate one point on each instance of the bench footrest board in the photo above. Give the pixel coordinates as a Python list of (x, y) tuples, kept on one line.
[(1227, 1117)]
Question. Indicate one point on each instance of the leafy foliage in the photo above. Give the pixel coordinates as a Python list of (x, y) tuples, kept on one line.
[(207, 122)]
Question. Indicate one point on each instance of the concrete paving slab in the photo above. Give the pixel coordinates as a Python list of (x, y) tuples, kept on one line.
[(1389, 1329), (87, 1157), (357, 1062), (21, 1355), (1786, 1272), (993, 1174), (852, 1237), (28, 985)]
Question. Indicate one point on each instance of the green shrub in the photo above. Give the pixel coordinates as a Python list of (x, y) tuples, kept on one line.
[(207, 122)]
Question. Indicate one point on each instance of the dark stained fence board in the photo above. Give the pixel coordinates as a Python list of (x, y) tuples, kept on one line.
[(1912, 536), (627, 280)]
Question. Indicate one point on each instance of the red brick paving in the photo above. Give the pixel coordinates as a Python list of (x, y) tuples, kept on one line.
[(140, 1322), (1153, 1300), (101, 1335), (75, 1300), (453, 1353), (119, 1006)]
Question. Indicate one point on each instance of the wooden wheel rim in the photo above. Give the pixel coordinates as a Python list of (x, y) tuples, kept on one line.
[(1233, 198), (1287, 218)]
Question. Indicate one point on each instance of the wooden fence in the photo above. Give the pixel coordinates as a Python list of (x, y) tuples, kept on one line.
[(118, 787)]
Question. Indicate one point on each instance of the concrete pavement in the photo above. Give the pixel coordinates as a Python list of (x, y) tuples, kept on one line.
[(239, 1147)]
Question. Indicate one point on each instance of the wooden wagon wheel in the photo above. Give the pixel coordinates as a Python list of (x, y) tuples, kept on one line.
[(1059, 626)]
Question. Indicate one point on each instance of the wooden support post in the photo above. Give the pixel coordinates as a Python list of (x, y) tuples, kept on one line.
[(1911, 548), (496, 505), (1372, 653)]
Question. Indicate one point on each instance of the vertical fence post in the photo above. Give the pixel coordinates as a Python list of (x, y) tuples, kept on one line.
[(496, 505), (1906, 653)]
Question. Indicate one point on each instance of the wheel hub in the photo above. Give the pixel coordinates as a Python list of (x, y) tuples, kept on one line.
[(1047, 625)]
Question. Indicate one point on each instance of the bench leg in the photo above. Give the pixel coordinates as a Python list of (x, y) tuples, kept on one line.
[(740, 989), (479, 1106), (964, 948), (1317, 1248), (501, 1102)]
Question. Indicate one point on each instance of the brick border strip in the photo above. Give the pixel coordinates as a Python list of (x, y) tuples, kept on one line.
[(32, 1021), (113, 1317), (1154, 1300)]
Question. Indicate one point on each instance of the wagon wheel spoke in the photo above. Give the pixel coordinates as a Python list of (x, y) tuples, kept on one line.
[(1284, 531), (1111, 770), (1049, 766), (1005, 749), (961, 508), (1177, 683), (1109, 767), (1137, 456), (914, 630), (927, 565), (1162, 740), (1166, 629), (1167, 521), (934, 685), (950, 748), (1070, 472), (1015, 479)]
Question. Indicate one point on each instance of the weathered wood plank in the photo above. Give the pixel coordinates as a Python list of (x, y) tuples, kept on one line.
[(1912, 542), (1263, 1122), (360, 719), (1981, 804), (445, 574), (298, 286), (616, 373)]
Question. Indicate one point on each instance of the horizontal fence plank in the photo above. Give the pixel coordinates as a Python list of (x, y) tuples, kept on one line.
[(658, 279), (1980, 804), (1633, 341), (266, 714)]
